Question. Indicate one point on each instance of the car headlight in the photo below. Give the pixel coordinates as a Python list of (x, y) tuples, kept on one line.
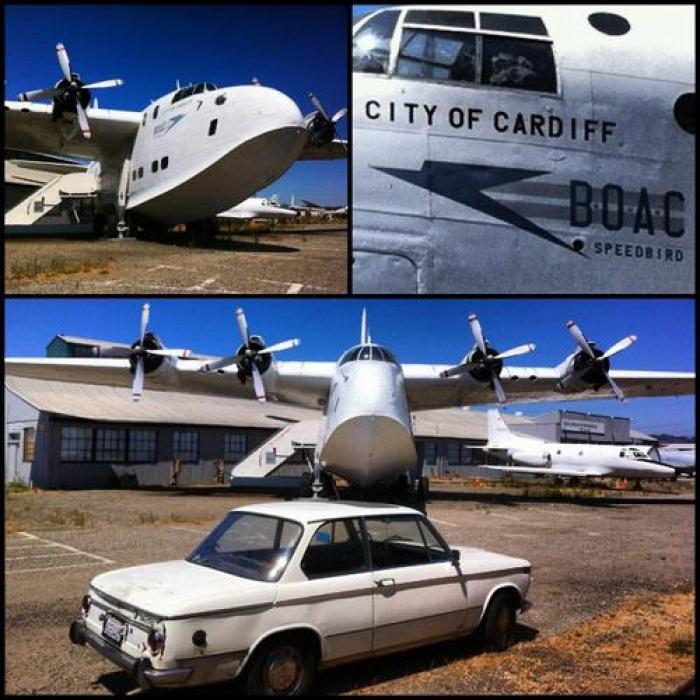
[(156, 640)]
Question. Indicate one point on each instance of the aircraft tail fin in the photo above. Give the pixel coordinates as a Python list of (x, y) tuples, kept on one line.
[(498, 432)]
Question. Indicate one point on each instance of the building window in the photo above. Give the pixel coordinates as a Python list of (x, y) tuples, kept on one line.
[(235, 447), (110, 445), (76, 444), (142, 446), (430, 453), (28, 444), (164, 163), (186, 446), (154, 166), (212, 126)]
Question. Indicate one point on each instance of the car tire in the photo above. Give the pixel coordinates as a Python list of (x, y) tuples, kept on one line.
[(498, 627), (283, 665)]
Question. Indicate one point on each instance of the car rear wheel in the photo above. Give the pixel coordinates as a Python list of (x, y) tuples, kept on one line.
[(283, 665), (498, 631)]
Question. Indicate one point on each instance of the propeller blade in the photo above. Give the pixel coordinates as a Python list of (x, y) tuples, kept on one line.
[(278, 347), (616, 389), (339, 115), (520, 350), (145, 313), (219, 364), (459, 369), (63, 60), (137, 387), (317, 104), (242, 326), (38, 94), (580, 338), (114, 82), (499, 388), (618, 347), (477, 333), (83, 121), (258, 384)]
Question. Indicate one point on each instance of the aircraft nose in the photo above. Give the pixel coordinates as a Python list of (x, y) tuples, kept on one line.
[(275, 105)]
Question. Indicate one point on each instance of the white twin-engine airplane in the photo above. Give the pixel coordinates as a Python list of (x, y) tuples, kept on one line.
[(367, 396), (557, 459), (258, 208), (186, 157), (524, 149)]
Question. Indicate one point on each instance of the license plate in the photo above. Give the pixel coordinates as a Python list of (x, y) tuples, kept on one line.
[(113, 628)]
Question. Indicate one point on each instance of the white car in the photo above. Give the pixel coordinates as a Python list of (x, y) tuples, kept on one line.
[(278, 590)]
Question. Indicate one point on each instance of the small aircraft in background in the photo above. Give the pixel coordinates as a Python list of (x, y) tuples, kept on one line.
[(679, 455), (258, 208), (530, 455)]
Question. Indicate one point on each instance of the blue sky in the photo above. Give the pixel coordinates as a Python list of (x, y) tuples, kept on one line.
[(420, 330), (296, 49)]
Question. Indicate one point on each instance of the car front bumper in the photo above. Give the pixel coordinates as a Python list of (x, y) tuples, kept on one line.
[(197, 671)]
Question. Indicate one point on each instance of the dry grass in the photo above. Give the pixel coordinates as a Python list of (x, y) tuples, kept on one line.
[(646, 645), (37, 268)]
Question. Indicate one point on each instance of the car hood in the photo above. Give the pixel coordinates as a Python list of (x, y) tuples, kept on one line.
[(473, 559), (179, 588)]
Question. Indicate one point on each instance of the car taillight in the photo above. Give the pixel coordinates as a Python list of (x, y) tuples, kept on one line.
[(86, 603), (156, 640)]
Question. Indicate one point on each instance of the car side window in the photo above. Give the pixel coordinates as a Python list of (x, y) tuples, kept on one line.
[(436, 549), (396, 541), (371, 45), (335, 549)]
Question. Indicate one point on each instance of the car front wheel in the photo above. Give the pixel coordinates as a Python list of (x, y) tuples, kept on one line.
[(283, 665), (498, 630)]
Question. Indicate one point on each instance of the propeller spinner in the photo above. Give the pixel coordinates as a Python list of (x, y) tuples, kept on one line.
[(249, 357), (598, 358), (485, 360), (70, 94)]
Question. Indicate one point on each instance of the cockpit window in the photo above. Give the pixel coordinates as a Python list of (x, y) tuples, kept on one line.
[(371, 44), (182, 94), (210, 86), (367, 352), (199, 88), (469, 54), (514, 24)]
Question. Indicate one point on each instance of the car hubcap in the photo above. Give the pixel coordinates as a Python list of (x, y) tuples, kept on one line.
[(283, 670)]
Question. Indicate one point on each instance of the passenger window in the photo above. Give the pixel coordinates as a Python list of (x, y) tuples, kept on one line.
[(335, 549), (133, 176), (164, 163), (396, 541), (140, 173), (154, 166), (372, 44), (519, 63), (212, 127), (515, 24), (155, 111), (435, 55), (143, 122)]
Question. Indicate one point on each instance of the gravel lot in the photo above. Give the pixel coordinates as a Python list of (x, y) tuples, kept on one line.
[(586, 559), (310, 261)]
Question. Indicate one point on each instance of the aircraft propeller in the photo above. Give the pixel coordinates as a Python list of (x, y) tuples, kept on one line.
[(247, 356), (70, 91), (485, 360), (320, 125), (599, 357)]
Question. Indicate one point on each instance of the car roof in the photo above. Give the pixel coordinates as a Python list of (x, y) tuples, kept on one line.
[(308, 510)]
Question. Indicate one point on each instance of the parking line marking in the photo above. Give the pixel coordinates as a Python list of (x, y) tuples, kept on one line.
[(294, 288), (53, 568), (44, 556), (33, 546), (104, 560), (442, 522), (187, 529)]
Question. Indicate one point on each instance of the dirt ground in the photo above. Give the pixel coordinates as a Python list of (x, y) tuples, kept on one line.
[(612, 593), (309, 261)]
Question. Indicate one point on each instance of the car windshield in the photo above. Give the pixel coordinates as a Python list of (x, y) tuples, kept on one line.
[(250, 545)]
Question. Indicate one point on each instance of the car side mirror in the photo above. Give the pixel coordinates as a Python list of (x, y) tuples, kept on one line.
[(455, 554)]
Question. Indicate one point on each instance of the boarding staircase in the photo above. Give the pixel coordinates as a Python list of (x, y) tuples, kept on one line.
[(53, 188), (275, 451)]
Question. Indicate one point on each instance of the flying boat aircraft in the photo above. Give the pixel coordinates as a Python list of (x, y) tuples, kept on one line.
[(165, 164), (367, 396), (524, 149)]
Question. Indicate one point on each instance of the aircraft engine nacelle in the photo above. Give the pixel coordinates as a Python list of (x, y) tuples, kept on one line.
[(531, 459), (482, 372), (584, 372), (154, 365), (248, 354)]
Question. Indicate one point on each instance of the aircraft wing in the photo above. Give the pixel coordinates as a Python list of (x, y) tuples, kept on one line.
[(553, 471), (425, 389), (338, 148), (28, 127)]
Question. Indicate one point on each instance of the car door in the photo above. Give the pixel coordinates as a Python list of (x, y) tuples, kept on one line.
[(419, 593), (336, 597)]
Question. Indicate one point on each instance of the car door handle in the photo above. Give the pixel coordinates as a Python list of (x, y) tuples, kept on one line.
[(385, 582)]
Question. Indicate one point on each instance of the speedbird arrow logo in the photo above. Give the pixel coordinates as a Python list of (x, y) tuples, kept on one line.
[(463, 183)]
